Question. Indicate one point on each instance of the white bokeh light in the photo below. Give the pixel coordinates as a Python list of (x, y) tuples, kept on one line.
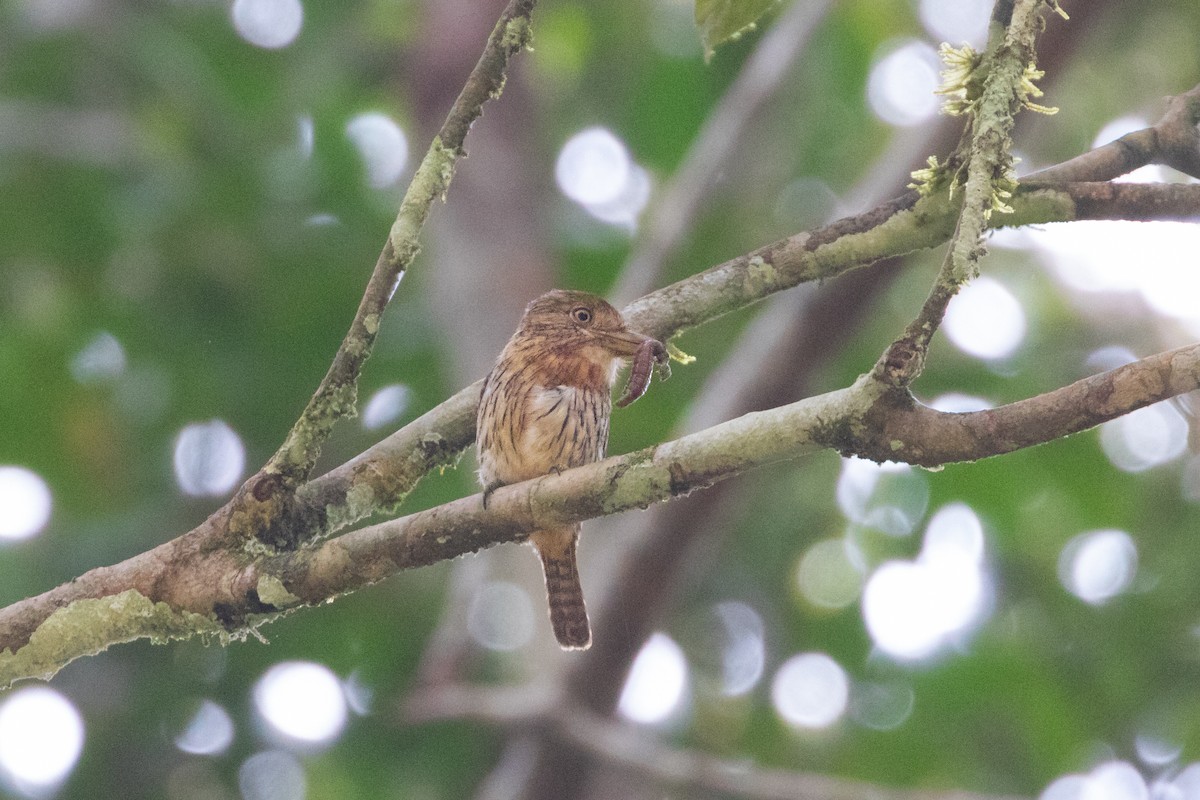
[(897, 599), (306, 135), (209, 458), (595, 170), (900, 88), (360, 696), (744, 650), (985, 320), (1066, 787), (912, 609), (100, 359), (1187, 782), (386, 405), (829, 574), (1166, 275), (1117, 128), (272, 775), (1189, 480), (882, 706), (954, 533), (593, 167), (957, 403), (810, 690), (656, 683), (382, 145), (1146, 438), (322, 220), (1154, 259), (208, 732), (41, 737), (270, 24), (889, 498), (624, 210), (1113, 780), (1109, 357), (302, 701), (25, 503), (1098, 565), (957, 20), (857, 481), (1156, 750), (500, 616), (1091, 255)]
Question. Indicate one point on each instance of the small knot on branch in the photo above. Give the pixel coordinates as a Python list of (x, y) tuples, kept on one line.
[(266, 486), (902, 362)]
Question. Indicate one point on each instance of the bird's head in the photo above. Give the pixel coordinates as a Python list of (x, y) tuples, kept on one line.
[(581, 325)]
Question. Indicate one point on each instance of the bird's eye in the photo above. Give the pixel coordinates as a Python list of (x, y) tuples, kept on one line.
[(581, 314)]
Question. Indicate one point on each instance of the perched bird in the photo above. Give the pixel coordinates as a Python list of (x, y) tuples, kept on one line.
[(545, 408)]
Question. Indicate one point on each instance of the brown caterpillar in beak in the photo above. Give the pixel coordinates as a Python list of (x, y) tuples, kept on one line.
[(651, 353)]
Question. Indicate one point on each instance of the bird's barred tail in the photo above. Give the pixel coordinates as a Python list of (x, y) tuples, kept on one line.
[(568, 615)]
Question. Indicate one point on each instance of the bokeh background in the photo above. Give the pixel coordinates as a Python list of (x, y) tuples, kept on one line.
[(192, 195)]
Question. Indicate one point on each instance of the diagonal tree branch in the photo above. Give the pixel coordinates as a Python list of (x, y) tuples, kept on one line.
[(40, 635), (1173, 141), (203, 582), (988, 168), (637, 596), (623, 745), (206, 580), (719, 138), (867, 419), (336, 395), (380, 477)]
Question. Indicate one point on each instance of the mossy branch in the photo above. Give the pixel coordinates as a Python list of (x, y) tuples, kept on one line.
[(865, 419), (335, 398), (988, 92), (183, 588), (205, 582), (380, 477)]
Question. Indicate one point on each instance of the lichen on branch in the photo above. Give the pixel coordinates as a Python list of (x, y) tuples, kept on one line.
[(90, 626), (987, 91), (335, 398)]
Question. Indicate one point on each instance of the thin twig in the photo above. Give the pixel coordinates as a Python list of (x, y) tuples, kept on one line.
[(857, 420), (989, 162), (636, 597), (201, 582), (632, 748), (805, 331), (380, 477), (336, 395), (623, 745), (720, 137), (1172, 141)]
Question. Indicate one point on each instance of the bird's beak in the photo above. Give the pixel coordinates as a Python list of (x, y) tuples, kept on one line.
[(623, 343)]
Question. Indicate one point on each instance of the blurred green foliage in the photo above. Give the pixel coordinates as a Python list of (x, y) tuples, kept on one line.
[(154, 185), (721, 20)]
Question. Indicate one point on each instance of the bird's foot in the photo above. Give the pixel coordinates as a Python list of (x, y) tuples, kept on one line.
[(487, 491)]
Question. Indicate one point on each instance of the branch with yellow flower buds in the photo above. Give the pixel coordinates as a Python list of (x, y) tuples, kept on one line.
[(987, 90)]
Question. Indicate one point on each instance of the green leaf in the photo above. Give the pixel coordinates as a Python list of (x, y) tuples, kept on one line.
[(722, 20)]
